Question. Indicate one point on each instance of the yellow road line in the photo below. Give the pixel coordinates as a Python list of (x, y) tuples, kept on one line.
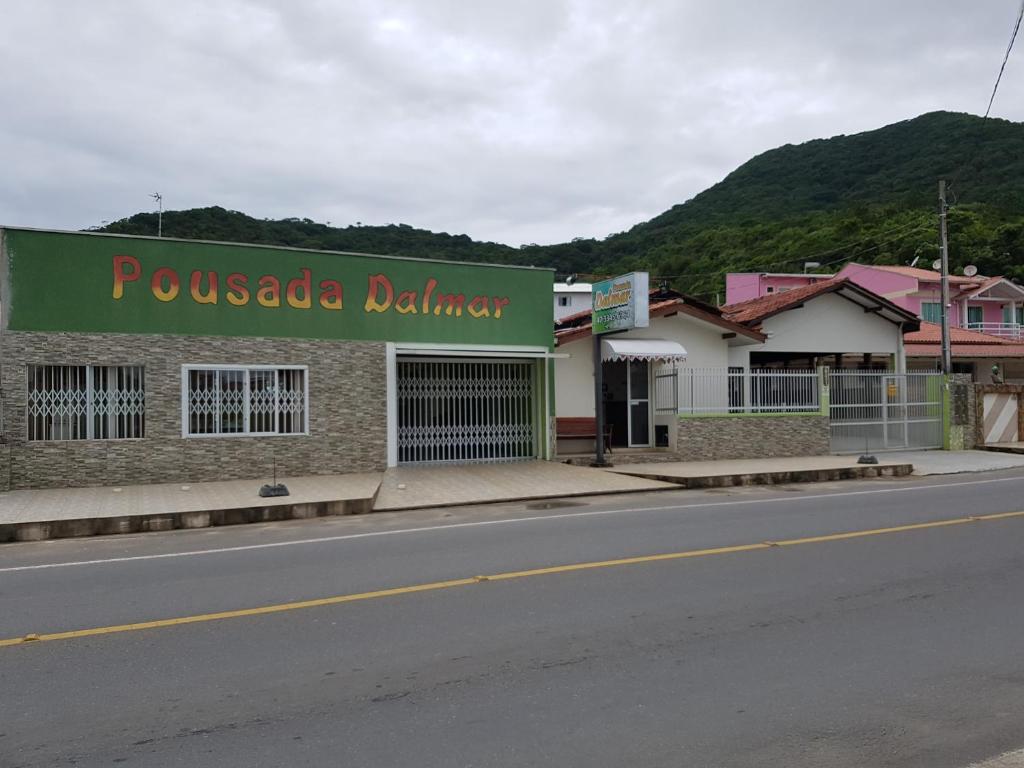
[(438, 585)]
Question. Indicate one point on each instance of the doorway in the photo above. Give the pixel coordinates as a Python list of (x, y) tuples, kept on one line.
[(464, 411), (627, 402)]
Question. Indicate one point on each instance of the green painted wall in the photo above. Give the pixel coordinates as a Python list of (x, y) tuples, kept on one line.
[(58, 281)]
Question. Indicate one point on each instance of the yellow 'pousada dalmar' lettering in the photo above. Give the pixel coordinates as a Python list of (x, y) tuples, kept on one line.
[(239, 289)]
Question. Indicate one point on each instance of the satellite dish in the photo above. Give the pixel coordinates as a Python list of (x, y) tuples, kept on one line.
[(970, 270), (937, 265)]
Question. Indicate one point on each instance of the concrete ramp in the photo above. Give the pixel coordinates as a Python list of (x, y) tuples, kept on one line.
[(440, 486)]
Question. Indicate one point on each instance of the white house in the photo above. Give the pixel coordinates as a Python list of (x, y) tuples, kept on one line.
[(835, 322), (571, 298), (638, 366)]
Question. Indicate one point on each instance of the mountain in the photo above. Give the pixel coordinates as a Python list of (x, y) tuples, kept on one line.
[(871, 197)]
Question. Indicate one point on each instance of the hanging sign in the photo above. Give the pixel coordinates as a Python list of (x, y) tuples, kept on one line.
[(621, 303)]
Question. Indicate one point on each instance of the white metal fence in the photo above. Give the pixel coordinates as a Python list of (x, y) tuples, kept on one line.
[(736, 390), (882, 410)]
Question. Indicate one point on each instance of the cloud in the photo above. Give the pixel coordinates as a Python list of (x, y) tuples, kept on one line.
[(537, 121)]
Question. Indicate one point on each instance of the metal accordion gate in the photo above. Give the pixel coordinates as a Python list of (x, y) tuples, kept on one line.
[(460, 411)]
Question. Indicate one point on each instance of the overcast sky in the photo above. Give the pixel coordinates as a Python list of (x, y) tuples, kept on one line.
[(531, 121)]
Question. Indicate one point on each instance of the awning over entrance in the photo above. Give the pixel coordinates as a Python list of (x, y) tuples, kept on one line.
[(641, 349)]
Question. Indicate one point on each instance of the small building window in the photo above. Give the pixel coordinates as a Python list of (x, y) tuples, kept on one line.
[(86, 402), (563, 301), (1013, 315), (931, 311), (245, 400)]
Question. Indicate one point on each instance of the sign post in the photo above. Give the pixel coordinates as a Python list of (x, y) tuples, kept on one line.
[(617, 305)]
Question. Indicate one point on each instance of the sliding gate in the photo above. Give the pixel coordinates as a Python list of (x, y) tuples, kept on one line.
[(879, 411), (453, 411)]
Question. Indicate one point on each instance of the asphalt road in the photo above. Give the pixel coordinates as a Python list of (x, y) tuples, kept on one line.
[(898, 648)]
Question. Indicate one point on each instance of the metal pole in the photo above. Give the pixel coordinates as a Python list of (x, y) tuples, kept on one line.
[(160, 213), (947, 357), (598, 403)]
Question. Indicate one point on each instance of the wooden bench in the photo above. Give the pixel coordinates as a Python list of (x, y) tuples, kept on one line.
[(581, 428)]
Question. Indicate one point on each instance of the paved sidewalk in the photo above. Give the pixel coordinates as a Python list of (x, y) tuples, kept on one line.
[(952, 462), (1009, 760), (416, 487)]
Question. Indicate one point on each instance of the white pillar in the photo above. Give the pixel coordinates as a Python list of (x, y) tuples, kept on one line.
[(391, 408)]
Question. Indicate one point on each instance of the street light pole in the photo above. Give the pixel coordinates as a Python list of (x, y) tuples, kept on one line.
[(160, 213)]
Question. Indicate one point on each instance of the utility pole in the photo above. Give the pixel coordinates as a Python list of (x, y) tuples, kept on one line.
[(160, 213), (947, 357)]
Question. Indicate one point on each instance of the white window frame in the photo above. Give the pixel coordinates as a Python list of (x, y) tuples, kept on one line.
[(90, 403), (185, 410)]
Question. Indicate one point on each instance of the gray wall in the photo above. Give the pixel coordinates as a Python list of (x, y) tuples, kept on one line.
[(347, 411)]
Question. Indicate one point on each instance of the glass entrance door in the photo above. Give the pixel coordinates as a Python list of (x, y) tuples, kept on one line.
[(639, 403)]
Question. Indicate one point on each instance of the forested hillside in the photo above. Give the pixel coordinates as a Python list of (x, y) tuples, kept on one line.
[(869, 197)]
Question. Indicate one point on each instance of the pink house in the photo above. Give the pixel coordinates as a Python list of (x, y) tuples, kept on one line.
[(744, 286), (992, 305)]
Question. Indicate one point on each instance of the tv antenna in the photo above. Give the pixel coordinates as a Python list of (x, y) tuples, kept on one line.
[(160, 213)]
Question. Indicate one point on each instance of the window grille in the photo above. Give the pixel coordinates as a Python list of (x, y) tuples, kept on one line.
[(86, 402), (245, 400)]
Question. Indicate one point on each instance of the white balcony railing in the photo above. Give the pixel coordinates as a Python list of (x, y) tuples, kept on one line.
[(1003, 330)]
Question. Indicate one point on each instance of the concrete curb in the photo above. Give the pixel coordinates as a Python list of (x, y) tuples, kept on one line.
[(537, 497), (777, 478), (107, 526), (1018, 450)]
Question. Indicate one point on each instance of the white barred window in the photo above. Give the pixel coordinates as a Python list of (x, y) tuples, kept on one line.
[(86, 402), (244, 400)]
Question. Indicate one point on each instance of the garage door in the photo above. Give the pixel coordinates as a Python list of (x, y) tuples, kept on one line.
[(465, 411)]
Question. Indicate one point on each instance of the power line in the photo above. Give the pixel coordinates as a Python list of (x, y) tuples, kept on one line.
[(955, 177), (1016, 28), (904, 231)]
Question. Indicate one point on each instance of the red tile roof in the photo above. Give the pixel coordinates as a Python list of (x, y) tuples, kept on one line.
[(967, 350), (931, 333), (753, 310), (658, 308), (927, 342)]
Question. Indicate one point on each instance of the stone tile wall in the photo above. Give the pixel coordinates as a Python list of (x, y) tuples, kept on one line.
[(752, 437), (5, 467), (347, 411), (963, 422)]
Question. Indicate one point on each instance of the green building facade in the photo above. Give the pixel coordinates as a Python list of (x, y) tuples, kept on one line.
[(135, 360)]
